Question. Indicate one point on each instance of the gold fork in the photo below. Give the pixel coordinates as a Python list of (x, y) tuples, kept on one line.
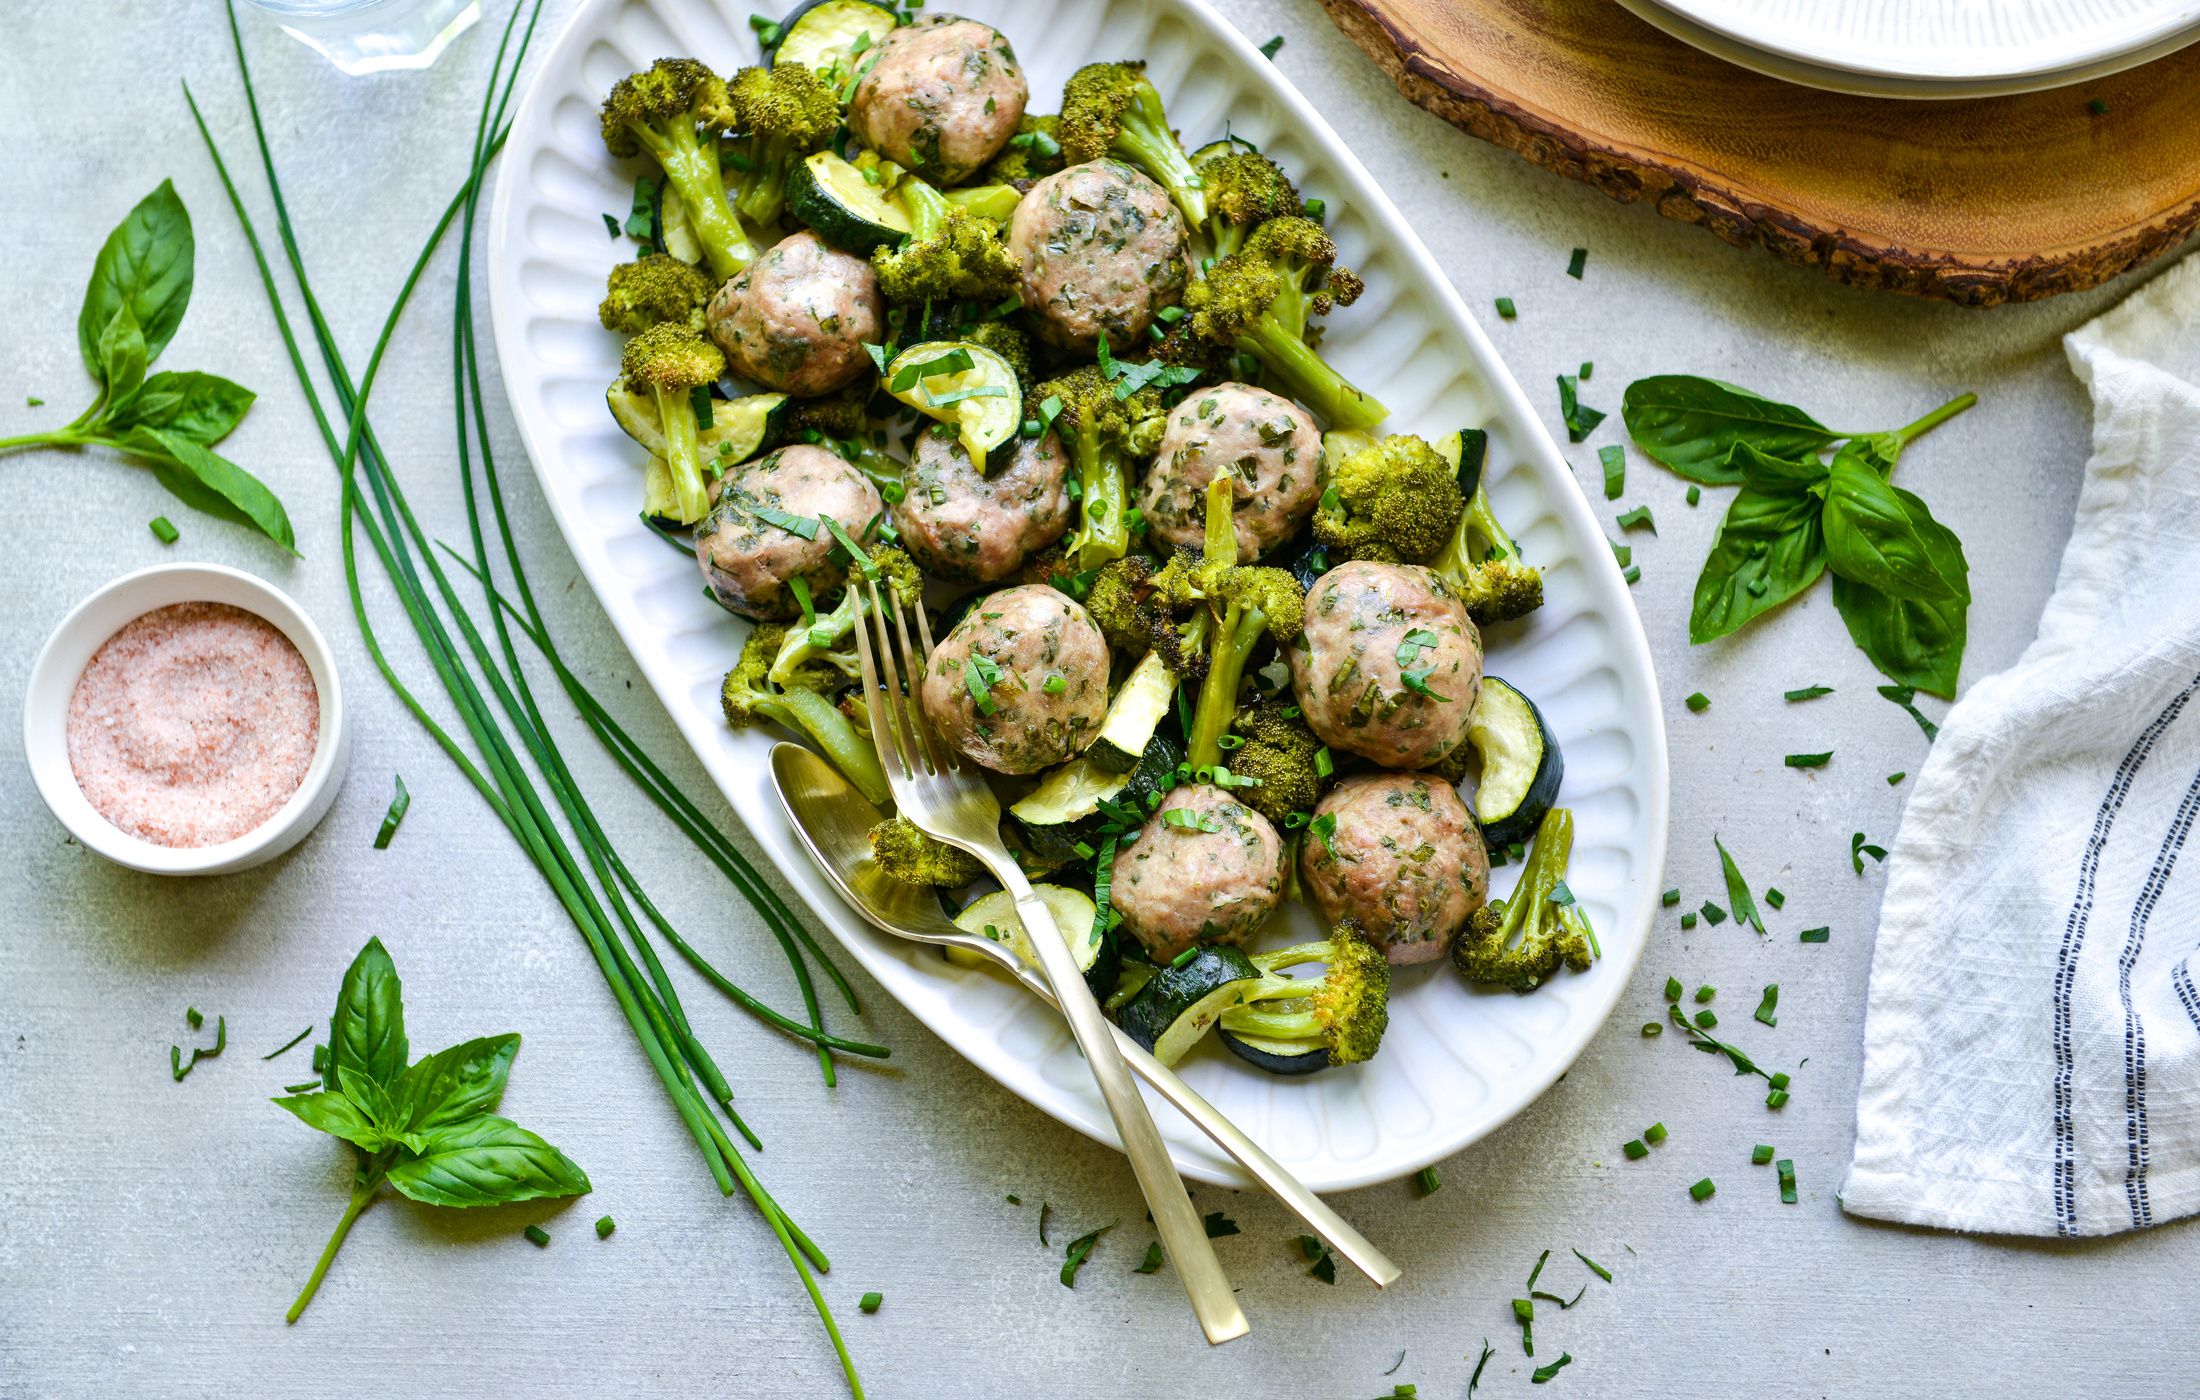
[(949, 801)]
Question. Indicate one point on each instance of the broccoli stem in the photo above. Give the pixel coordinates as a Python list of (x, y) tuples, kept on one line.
[(1144, 139), (1476, 538), (995, 202), (807, 712), (691, 165), (1531, 900), (683, 455), (1103, 529), (764, 192), (1274, 1025), (1240, 632), (927, 207), (1307, 378)]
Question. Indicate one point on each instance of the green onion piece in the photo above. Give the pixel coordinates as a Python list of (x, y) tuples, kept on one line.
[(699, 400), (1632, 573), (1544, 1373), (1673, 989), (1634, 1150), (1639, 516), (1488, 1351), (288, 1043), (167, 533), (1707, 1018), (1695, 494), (1152, 1262), (1654, 1134), (1614, 459), (869, 1302), (1698, 703), (1688, 921), (1054, 685), (1809, 760), (537, 1236), (1588, 367), (1893, 778), (1576, 263), (1774, 898), (1537, 1271), (1760, 1154), (605, 1226), (1268, 50), (1524, 1309), (1779, 1080), (1652, 1029), (193, 1017), (1786, 1168), (1506, 309), (393, 816), (1430, 1181), (803, 525), (1776, 1099), (1702, 1190), (306, 1088), (1808, 692), (1705, 993), (1594, 1267), (1769, 1005), (1671, 897), (1814, 935), (1713, 913)]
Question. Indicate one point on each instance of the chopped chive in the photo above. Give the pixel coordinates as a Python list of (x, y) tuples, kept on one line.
[(537, 1236), (1894, 778), (1588, 367), (1151, 1264), (1537, 1272), (1506, 309), (193, 1017), (306, 1088), (1786, 1168), (1776, 1099), (393, 816), (869, 1302), (1576, 263), (1673, 989), (1639, 516), (605, 1226), (1015, 1200), (1860, 848), (1580, 419), (320, 1059), (1808, 692), (1737, 890), (288, 1043), (1770, 1005), (1778, 1080), (1760, 1154), (1671, 897), (1634, 1150), (1713, 913), (2097, 107), (1774, 898), (611, 225), (1703, 1190), (1808, 760), (1430, 1181), (1632, 573), (1269, 49), (1488, 1351), (1544, 1373), (1614, 459), (1594, 1267), (1688, 921), (1707, 1018), (1906, 697), (1622, 554), (1654, 1134), (162, 530), (1695, 494), (1652, 1029), (1698, 703), (1814, 935), (1524, 1313), (1045, 1210), (1705, 993)]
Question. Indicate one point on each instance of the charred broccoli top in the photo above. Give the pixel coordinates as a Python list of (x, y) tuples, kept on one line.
[(1244, 188), (1110, 109), (1033, 152), (910, 856), (1396, 501), (673, 111), (1345, 1010), (1103, 430), (783, 113), (1260, 300), (654, 288), (1481, 561), (1278, 753), (1520, 942), (892, 570)]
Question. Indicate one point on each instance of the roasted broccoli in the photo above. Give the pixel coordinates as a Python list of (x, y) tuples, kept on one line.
[(674, 111), (1033, 152), (1110, 109), (995, 201), (653, 289), (1244, 605), (1394, 502), (1244, 188), (1483, 564), (804, 705), (669, 361), (783, 114), (1259, 301), (913, 858), (1103, 431), (1279, 753), (1122, 602), (950, 255), (1345, 1010), (1520, 942), (890, 569)]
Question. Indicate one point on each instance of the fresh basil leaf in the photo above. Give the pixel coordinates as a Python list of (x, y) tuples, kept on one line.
[(145, 264), (372, 1096), (486, 1160), (368, 1033), (121, 357), (1916, 642), (1692, 425), (205, 480), (1770, 547), (335, 1114), (455, 1084), (1874, 537), (201, 407)]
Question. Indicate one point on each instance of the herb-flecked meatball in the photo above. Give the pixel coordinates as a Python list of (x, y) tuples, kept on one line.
[(1205, 868), (1268, 446), (1399, 854), (942, 97), (963, 525), (746, 547), (796, 319), (1102, 249), (1022, 681), (1389, 666)]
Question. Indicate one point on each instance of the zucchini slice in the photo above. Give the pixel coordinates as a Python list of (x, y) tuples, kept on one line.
[(1227, 146), (822, 34), (994, 916), (1466, 449), (1063, 812), (957, 382), (1290, 1057), (1139, 706), (1521, 763), (831, 196), (1180, 1003), (736, 431)]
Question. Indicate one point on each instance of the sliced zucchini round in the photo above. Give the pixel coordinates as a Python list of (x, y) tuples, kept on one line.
[(1466, 449), (1521, 763), (1182, 1001), (736, 431), (968, 385), (1063, 811), (1139, 706), (822, 34), (830, 195), (1136, 973), (1227, 146), (1291, 1057), (994, 916)]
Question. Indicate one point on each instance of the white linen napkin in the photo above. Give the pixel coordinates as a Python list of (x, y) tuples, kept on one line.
[(2032, 1037)]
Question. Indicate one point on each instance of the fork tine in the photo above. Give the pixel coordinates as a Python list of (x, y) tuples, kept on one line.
[(938, 750), (883, 736), (912, 746)]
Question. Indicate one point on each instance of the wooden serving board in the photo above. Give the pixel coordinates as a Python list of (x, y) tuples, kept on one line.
[(1979, 201)]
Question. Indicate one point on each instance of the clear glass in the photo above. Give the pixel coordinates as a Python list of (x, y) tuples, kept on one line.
[(374, 36)]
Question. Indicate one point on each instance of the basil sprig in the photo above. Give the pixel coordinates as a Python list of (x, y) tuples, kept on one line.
[(139, 289), (1900, 580), (425, 1127)]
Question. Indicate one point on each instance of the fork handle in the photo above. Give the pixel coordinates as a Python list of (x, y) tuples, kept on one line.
[(1183, 1236)]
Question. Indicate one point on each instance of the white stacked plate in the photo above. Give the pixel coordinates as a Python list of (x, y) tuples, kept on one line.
[(1930, 48)]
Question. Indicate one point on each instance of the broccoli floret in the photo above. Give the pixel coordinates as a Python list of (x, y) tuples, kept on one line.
[(843, 415), (1345, 1010), (652, 289), (674, 111), (669, 361), (1110, 109), (1520, 942), (783, 114), (1483, 564), (1103, 432), (1260, 300), (1395, 502), (959, 257), (1236, 608), (1278, 753), (1244, 188), (891, 569), (1035, 151), (1121, 601), (910, 856), (804, 705)]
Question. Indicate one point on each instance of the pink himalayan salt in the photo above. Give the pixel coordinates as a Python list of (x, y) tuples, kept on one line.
[(193, 724)]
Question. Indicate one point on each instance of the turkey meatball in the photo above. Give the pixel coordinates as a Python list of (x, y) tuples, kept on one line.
[(1022, 681), (748, 561), (1389, 666), (796, 319), (1399, 855), (1205, 868), (1268, 445), (942, 98), (1102, 249), (963, 525)]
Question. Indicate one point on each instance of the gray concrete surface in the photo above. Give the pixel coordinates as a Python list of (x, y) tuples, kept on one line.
[(151, 1233)]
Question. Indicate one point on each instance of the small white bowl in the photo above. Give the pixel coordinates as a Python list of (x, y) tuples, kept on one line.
[(69, 650)]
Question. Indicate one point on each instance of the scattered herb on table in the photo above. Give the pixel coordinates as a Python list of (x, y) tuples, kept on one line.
[(1901, 583), (1614, 461), (1430, 1180), (1588, 367), (162, 530), (2097, 107), (1705, 994), (1894, 778), (1860, 848), (1151, 1264), (1537, 1272), (1594, 1267), (396, 814), (1774, 897), (1488, 1351), (1524, 1314), (1638, 518), (288, 1044), (1045, 1210), (1544, 1373), (1080, 1249), (425, 1127), (139, 290), (1808, 692), (1906, 697), (605, 1226), (1651, 1030), (1768, 1008), (1576, 263), (1703, 1190), (1324, 1265), (1634, 1149), (869, 1302), (1809, 760), (1713, 913), (1218, 1224), (1698, 703), (537, 1236), (1396, 1364), (1270, 49), (1786, 1169), (1654, 1134), (1815, 935), (1737, 891), (1760, 1154), (1505, 308), (1671, 897), (1700, 1037), (1688, 921), (1580, 419), (178, 1066)]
